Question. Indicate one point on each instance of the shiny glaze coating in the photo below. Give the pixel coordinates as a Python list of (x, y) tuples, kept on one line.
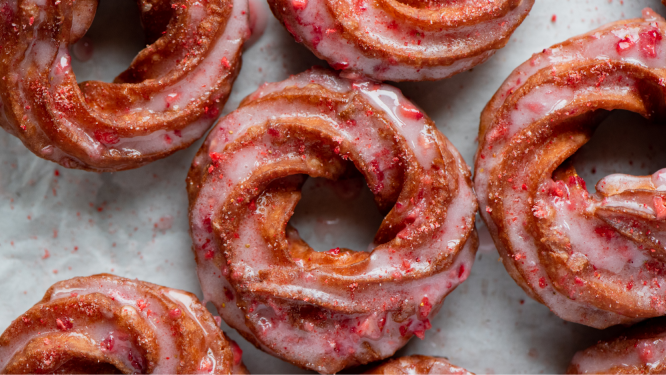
[(402, 40), (595, 259), (329, 310), (167, 99), (639, 350), (109, 324)]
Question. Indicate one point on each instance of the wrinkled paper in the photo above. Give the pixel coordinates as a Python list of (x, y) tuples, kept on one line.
[(56, 223)]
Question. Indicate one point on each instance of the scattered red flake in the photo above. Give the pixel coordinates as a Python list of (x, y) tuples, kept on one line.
[(524, 187), (553, 18), (335, 251), (624, 45), (578, 281), (630, 285), (648, 42), (557, 190), (208, 224), (225, 63), (605, 231), (214, 156), (141, 304), (299, 4), (411, 112), (542, 282), (46, 254), (403, 330), (26, 320), (108, 137), (209, 254), (461, 271), (424, 308), (175, 313), (577, 180), (56, 173), (108, 343), (64, 324)]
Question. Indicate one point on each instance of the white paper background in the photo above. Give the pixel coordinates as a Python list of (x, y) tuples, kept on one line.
[(134, 223)]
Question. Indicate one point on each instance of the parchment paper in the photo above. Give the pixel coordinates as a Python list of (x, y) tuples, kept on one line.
[(56, 223)]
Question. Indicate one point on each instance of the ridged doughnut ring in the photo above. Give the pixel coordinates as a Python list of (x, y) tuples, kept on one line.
[(596, 259), (108, 324), (167, 99), (400, 40), (329, 310)]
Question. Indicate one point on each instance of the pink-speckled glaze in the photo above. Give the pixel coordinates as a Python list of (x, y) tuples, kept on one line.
[(573, 216), (82, 126), (135, 304), (639, 350), (390, 40), (363, 313)]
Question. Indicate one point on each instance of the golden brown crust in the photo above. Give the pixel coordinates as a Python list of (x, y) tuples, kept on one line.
[(417, 364), (319, 298), (426, 39), (521, 168), (638, 350), (154, 108), (108, 324)]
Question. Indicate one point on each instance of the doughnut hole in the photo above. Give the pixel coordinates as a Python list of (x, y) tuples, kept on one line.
[(624, 143), (337, 214), (101, 55)]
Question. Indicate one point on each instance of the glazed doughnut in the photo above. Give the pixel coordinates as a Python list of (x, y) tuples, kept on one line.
[(108, 324), (402, 40), (168, 98), (329, 310), (417, 364), (640, 350), (595, 259)]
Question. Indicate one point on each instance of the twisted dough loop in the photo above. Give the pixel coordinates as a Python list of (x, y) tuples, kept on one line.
[(639, 350), (595, 259), (402, 40), (167, 99), (109, 324), (327, 311), (417, 364)]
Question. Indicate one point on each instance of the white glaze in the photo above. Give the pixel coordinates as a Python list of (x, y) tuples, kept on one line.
[(646, 352), (133, 302), (256, 255), (190, 89), (316, 25), (599, 45)]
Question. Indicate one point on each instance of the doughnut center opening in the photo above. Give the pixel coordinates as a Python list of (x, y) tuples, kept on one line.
[(340, 213), (109, 46), (624, 143)]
